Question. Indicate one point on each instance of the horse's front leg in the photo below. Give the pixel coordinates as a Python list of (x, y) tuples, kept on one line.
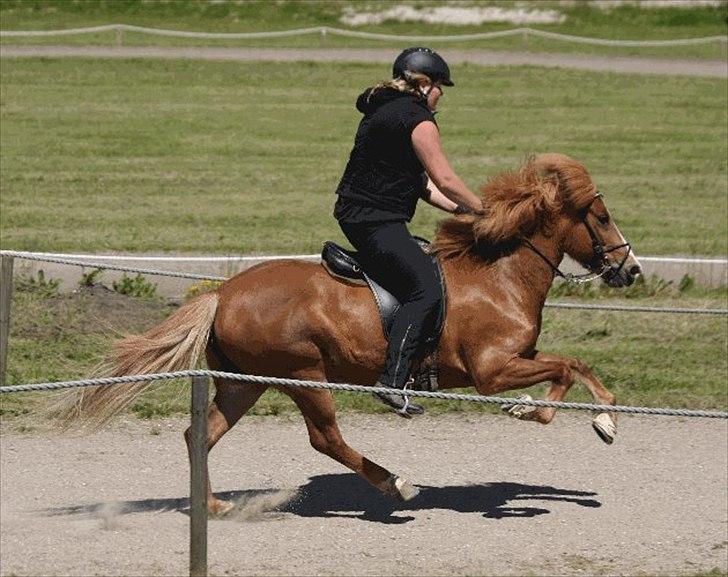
[(519, 373), (605, 424), (584, 374)]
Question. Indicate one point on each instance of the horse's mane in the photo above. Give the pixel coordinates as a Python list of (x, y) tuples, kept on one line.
[(518, 204)]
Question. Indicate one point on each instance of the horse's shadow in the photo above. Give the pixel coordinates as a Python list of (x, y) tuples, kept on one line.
[(348, 495)]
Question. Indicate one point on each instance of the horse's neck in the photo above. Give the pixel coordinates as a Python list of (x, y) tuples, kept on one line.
[(522, 272), (530, 270)]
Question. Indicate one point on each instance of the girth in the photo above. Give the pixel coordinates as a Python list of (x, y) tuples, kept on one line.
[(344, 265)]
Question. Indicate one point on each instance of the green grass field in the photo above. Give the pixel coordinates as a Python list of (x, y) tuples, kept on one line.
[(230, 158), (626, 22)]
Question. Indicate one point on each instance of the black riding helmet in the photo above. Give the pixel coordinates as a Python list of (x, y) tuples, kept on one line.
[(423, 61)]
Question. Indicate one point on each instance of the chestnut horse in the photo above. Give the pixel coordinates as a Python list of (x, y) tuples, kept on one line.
[(290, 318)]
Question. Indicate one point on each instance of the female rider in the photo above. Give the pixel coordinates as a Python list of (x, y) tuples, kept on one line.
[(396, 148)]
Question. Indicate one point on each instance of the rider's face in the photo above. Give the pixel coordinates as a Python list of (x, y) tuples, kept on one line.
[(434, 94)]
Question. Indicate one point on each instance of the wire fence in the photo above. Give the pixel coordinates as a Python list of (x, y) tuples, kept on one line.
[(239, 258), (283, 382), (549, 304), (330, 31), (106, 266)]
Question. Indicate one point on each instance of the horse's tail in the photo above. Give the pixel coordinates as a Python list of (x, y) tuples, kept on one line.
[(173, 345)]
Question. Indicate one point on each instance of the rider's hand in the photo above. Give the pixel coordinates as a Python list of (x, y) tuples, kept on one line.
[(462, 209)]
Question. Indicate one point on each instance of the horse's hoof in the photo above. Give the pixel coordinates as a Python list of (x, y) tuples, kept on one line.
[(219, 509), (605, 427), (519, 411), (401, 489)]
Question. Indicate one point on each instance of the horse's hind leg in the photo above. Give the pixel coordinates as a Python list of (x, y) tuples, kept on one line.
[(319, 412), (232, 400)]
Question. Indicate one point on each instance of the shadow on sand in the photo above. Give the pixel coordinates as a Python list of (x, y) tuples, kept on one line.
[(348, 495)]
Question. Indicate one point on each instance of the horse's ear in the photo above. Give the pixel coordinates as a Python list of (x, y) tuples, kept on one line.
[(543, 177), (566, 180), (548, 183), (549, 163), (547, 168)]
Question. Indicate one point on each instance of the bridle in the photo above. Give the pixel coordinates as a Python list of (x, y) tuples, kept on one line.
[(599, 266)]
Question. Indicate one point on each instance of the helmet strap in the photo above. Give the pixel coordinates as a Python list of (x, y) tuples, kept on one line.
[(424, 91)]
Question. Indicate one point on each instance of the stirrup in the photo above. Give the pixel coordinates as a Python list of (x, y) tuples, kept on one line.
[(400, 403)]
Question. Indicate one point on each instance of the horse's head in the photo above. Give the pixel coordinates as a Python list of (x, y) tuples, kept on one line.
[(551, 197), (588, 232)]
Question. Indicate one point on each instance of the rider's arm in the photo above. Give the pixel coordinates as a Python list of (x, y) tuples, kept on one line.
[(426, 142), (434, 196)]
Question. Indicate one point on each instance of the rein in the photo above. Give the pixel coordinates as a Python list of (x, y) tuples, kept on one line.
[(600, 254)]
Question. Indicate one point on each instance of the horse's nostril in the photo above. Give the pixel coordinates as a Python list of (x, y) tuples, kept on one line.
[(635, 270)]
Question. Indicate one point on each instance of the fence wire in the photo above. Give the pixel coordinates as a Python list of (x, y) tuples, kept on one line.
[(157, 272), (327, 30), (106, 266), (281, 382)]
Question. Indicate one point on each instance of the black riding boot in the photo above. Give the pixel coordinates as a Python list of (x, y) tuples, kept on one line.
[(394, 260)]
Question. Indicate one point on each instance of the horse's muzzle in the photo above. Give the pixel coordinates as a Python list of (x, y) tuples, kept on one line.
[(624, 275)]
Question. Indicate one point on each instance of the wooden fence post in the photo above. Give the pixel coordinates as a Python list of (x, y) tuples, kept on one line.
[(6, 296), (198, 479)]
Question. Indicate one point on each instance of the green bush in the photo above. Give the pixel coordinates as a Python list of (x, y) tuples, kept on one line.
[(137, 286), (89, 279), (39, 284), (204, 286)]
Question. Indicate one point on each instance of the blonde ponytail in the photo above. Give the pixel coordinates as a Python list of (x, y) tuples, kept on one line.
[(402, 85)]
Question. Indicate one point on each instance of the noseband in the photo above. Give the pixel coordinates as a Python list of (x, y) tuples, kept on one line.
[(599, 265)]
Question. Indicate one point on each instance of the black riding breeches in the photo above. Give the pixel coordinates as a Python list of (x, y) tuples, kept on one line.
[(394, 260)]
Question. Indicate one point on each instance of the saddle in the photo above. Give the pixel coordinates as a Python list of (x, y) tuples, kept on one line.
[(344, 265)]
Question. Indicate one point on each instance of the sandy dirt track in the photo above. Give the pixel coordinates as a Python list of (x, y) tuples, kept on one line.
[(499, 497), (629, 64)]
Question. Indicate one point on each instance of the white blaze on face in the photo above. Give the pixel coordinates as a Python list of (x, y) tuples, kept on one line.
[(631, 261)]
